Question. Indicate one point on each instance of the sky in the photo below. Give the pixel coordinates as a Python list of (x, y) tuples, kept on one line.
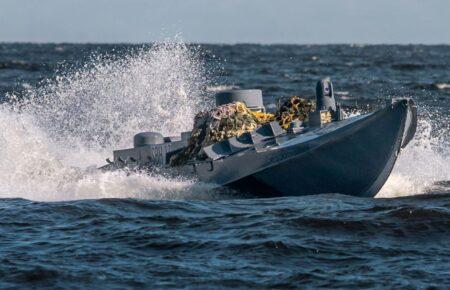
[(227, 21)]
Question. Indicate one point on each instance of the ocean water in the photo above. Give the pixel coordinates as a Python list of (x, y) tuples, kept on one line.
[(63, 224)]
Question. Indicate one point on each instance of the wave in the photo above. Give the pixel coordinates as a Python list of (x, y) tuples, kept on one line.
[(219, 88), (417, 66), (432, 86), (442, 86), (24, 65), (424, 165), (54, 138)]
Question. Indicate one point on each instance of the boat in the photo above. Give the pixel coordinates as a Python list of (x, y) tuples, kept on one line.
[(352, 156)]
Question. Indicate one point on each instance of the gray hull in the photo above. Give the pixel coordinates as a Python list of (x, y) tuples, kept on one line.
[(354, 156)]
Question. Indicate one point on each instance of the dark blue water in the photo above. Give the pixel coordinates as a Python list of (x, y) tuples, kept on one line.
[(64, 225), (323, 241)]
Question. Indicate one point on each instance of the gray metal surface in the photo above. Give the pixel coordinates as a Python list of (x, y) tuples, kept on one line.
[(411, 119), (352, 157), (147, 138), (325, 95), (252, 98), (148, 155)]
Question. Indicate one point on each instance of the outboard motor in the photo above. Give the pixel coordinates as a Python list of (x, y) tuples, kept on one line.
[(252, 98)]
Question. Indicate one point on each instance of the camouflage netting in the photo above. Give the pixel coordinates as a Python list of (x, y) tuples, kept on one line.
[(326, 117), (234, 119), (295, 108)]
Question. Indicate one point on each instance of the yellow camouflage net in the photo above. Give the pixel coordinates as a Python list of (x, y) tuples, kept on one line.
[(232, 120), (326, 117), (218, 124), (295, 108)]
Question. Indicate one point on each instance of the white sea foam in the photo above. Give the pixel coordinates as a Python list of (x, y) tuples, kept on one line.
[(219, 88), (423, 163), (443, 86), (52, 141)]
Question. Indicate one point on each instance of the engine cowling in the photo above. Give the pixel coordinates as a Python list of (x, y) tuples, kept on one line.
[(147, 138)]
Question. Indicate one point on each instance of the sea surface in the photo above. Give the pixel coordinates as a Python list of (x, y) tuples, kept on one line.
[(63, 224)]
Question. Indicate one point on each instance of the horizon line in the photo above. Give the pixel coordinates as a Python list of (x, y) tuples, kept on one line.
[(227, 43)]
